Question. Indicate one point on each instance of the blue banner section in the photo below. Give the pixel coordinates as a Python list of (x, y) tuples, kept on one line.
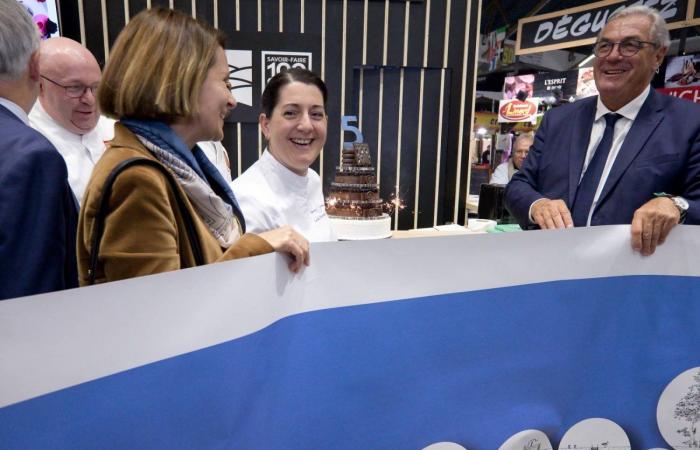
[(473, 368)]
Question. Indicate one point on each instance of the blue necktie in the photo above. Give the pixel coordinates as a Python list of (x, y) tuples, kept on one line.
[(591, 179)]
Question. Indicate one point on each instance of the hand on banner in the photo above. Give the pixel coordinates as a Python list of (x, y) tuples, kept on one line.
[(551, 214), (651, 224), (286, 239)]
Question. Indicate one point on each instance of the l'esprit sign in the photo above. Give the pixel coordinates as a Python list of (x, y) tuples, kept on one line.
[(579, 26), (517, 110)]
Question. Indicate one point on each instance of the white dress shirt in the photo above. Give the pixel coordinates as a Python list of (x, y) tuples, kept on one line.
[(622, 127), (500, 175), (270, 195), (80, 151)]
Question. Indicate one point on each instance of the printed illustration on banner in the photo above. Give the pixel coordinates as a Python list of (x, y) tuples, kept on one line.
[(240, 74), (517, 110), (274, 62)]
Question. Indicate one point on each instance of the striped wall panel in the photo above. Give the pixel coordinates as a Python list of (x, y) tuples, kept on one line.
[(405, 68)]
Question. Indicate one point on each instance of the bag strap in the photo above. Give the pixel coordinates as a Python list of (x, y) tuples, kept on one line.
[(98, 227)]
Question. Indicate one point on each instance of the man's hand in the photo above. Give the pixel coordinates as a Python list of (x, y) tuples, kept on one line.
[(551, 214), (651, 224)]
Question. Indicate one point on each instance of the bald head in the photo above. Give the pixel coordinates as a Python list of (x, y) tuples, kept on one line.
[(67, 64)]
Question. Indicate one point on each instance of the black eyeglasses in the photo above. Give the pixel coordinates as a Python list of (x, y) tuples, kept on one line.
[(626, 47), (75, 91)]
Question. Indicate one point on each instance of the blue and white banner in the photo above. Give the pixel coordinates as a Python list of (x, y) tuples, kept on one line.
[(393, 344)]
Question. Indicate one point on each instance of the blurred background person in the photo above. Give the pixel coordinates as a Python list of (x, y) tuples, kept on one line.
[(218, 156), (67, 112), (505, 171), (38, 213), (167, 82), (281, 188)]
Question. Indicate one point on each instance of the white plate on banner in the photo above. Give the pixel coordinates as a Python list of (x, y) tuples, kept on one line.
[(527, 440), (444, 446), (678, 405), (595, 433)]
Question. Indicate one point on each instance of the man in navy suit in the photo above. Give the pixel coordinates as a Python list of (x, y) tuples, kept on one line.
[(629, 155), (38, 212)]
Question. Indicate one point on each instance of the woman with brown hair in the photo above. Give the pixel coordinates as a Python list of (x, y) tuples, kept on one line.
[(155, 203)]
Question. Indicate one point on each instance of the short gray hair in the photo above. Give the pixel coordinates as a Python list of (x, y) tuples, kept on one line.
[(529, 137), (19, 38), (658, 32)]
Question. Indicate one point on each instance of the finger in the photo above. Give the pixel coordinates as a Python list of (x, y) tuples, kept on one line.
[(566, 216), (666, 229), (656, 233), (559, 219), (637, 224), (647, 234)]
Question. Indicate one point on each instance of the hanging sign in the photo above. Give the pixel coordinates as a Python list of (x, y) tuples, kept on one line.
[(579, 26), (515, 110)]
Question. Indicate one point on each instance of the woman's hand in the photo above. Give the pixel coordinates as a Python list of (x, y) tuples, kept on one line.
[(286, 239)]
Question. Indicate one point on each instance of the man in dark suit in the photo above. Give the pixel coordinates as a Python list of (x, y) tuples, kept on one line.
[(38, 212), (629, 155)]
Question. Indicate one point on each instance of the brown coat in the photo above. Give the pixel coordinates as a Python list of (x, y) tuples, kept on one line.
[(144, 232)]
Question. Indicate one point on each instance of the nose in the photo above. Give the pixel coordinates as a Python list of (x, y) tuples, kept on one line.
[(615, 52), (88, 96), (304, 122), (231, 101)]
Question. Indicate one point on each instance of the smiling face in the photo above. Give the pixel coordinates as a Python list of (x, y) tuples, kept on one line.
[(70, 64), (620, 79), (296, 132), (215, 100)]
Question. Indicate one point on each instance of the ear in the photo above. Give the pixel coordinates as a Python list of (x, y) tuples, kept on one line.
[(33, 67), (264, 125), (660, 55)]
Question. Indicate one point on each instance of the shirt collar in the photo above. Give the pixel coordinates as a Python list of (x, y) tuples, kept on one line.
[(629, 111), (15, 109), (287, 176)]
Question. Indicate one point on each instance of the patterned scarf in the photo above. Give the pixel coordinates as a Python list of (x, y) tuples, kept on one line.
[(200, 179)]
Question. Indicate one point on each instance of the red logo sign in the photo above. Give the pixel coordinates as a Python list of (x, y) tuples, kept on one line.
[(517, 111), (691, 93)]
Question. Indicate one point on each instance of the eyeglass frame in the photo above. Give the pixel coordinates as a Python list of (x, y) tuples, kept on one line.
[(83, 87), (619, 47)]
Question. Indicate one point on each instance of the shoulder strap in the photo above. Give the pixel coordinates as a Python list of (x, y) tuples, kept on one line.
[(98, 227)]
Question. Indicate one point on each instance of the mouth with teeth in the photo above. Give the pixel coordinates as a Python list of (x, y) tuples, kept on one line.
[(303, 143)]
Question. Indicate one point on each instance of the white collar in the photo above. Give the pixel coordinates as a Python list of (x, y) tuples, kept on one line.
[(629, 111), (15, 109), (287, 176)]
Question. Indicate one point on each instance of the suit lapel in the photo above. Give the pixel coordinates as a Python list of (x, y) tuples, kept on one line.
[(580, 136), (643, 126)]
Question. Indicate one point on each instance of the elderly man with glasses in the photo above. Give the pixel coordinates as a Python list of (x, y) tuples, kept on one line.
[(67, 112), (627, 156)]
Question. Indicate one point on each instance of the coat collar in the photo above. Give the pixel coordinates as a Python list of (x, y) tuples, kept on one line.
[(580, 136)]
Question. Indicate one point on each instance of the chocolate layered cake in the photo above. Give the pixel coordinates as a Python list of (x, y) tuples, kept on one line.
[(354, 205)]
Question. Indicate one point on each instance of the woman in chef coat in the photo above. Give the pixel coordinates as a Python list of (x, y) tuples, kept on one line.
[(280, 188)]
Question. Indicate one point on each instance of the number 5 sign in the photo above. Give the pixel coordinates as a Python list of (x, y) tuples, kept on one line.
[(274, 62)]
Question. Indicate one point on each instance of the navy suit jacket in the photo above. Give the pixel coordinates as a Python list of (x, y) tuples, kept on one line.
[(661, 153), (38, 213)]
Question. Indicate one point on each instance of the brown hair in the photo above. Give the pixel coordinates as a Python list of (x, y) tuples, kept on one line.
[(157, 66), (271, 94)]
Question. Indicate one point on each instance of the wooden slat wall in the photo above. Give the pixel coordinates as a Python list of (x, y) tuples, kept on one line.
[(405, 68)]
